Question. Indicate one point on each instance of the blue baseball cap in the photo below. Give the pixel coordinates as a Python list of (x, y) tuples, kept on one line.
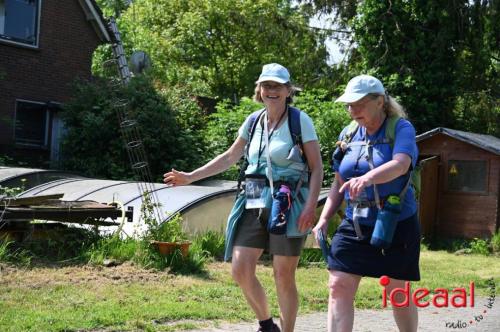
[(274, 72), (360, 86)]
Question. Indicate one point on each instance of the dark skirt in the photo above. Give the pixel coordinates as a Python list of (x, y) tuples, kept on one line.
[(400, 261)]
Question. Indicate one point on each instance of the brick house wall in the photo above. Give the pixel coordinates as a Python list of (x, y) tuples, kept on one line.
[(45, 73)]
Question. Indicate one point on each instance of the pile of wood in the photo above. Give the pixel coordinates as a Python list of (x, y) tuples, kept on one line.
[(52, 208)]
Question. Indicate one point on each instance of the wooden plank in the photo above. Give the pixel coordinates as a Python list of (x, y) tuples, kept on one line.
[(80, 216), (33, 200), (73, 205)]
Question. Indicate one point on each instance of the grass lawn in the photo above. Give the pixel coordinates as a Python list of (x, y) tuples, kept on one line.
[(85, 298)]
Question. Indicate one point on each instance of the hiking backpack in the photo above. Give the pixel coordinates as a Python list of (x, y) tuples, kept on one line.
[(293, 126), (390, 134)]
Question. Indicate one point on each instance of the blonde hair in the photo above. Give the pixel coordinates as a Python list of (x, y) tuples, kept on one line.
[(391, 106), (292, 88)]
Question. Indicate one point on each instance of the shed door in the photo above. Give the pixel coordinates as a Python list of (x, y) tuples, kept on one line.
[(428, 194)]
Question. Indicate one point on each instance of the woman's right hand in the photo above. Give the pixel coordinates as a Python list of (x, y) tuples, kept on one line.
[(176, 178), (321, 226)]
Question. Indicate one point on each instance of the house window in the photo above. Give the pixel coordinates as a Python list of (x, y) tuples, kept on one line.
[(467, 175), (32, 124), (19, 21)]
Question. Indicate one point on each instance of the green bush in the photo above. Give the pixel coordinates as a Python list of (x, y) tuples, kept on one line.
[(222, 129), (210, 243), (194, 263), (475, 246), (495, 243), (5, 160), (10, 253), (111, 247), (329, 120), (310, 255), (168, 231), (448, 244), (479, 246), (93, 144), (156, 228), (478, 112)]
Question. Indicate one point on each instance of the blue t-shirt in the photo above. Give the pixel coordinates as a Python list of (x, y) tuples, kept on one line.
[(280, 145), (355, 163)]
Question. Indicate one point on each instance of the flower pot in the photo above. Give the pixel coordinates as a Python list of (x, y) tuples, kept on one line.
[(167, 248)]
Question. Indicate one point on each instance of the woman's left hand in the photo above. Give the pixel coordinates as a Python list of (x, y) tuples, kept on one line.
[(356, 185), (306, 219)]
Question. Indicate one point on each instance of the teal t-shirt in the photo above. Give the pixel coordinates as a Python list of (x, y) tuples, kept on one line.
[(280, 145)]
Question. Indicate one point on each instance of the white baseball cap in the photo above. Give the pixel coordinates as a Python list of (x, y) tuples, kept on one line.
[(360, 86), (274, 72)]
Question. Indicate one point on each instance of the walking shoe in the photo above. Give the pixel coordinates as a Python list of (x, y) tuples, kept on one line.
[(274, 328)]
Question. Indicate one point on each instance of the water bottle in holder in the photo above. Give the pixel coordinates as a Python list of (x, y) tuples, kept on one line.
[(280, 210), (387, 221), (360, 210)]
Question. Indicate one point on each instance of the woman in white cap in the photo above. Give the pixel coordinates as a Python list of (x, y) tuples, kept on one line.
[(276, 160), (380, 234)]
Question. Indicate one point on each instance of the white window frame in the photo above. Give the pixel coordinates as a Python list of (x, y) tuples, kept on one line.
[(18, 43), (45, 144)]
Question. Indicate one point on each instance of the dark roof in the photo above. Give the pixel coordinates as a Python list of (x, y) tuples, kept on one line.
[(94, 15), (486, 142)]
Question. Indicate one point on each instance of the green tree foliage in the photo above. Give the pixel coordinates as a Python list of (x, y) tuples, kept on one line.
[(329, 119), (93, 144), (225, 122), (217, 48), (478, 112), (439, 57), (222, 129), (412, 46), (432, 54), (477, 106), (113, 7)]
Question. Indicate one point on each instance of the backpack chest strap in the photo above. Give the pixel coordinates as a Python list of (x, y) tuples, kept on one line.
[(383, 140)]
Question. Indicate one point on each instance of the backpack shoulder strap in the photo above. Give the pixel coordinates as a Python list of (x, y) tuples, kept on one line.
[(390, 129), (296, 133), (390, 132), (352, 128), (252, 123), (390, 135), (349, 133), (294, 125)]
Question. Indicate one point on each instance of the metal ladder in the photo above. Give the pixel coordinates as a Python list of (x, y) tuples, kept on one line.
[(130, 130)]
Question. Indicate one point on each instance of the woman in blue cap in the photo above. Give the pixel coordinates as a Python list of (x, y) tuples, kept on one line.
[(275, 160), (380, 234)]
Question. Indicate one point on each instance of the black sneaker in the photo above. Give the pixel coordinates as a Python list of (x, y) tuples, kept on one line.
[(275, 328)]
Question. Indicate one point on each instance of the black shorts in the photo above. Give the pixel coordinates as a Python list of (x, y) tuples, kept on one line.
[(400, 261)]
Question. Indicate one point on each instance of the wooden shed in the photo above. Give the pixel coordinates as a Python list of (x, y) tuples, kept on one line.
[(460, 180)]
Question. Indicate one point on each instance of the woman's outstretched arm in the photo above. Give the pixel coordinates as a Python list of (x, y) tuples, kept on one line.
[(215, 166)]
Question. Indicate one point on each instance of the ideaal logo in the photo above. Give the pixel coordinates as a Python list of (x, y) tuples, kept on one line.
[(458, 298), (441, 296), (477, 318)]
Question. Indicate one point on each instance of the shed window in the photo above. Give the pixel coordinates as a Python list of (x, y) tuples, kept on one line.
[(467, 175), (32, 120), (19, 21)]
